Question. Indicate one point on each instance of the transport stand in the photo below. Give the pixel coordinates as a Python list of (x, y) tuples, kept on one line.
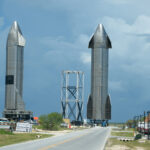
[(18, 115), (103, 123), (72, 88)]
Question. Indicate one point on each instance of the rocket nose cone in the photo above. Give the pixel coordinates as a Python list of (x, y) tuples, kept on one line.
[(100, 27), (15, 27), (100, 32), (100, 38), (15, 36)]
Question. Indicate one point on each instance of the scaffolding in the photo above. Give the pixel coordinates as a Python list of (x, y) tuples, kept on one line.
[(72, 95)]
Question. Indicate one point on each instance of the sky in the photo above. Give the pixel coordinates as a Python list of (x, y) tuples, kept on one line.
[(57, 33)]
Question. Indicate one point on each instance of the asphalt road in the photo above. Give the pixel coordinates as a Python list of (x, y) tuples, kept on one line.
[(88, 139)]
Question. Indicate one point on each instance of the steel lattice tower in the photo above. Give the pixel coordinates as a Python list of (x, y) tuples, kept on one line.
[(72, 92)]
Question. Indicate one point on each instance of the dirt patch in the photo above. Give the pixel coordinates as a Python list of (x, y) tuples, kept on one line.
[(56, 133), (118, 147), (139, 148)]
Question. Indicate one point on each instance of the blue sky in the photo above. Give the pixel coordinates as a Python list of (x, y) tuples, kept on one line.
[(57, 33)]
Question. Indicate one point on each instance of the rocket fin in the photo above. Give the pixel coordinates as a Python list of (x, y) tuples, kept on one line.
[(91, 43), (108, 108), (89, 107), (21, 40), (108, 42)]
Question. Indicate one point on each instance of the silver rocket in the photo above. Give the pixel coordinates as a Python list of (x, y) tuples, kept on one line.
[(14, 68), (14, 103), (99, 106)]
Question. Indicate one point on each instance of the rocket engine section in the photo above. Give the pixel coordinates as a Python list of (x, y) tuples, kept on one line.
[(99, 105)]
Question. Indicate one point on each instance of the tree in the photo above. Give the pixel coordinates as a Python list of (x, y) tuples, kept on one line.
[(51, 121), (44, 122)]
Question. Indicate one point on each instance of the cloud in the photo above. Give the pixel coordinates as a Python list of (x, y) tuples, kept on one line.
[(57, 34), (86, 58), (139, 26), (67, 50), (127, 46), (130, 48), (82, 40), (129, 63)]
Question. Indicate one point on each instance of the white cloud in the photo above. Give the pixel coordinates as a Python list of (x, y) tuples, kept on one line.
[(83, 40), (128, 29), (141, 25), (77, 49), (85, 58), (129, 49), (119, 26)]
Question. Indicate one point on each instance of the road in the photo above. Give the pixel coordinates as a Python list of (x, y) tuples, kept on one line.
[(88, 139)]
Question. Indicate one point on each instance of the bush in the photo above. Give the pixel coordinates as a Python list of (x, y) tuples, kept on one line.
[(51, 121), (138, 136)]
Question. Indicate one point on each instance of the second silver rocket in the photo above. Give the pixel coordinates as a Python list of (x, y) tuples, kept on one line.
[(99, 106)]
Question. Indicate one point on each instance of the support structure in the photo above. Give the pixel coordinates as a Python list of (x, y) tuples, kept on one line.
[(72, 92)]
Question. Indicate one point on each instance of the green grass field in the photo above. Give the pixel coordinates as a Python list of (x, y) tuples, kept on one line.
[(133, 145), (124, 134), (7, 138)]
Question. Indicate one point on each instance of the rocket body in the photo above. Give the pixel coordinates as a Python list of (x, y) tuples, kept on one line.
[(14, 69), (97, 108)]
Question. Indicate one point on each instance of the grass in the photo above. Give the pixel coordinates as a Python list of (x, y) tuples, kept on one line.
[(130, 129), (119, 125), (124, 134), (7, 138), (133, 144), (130, 144), (2, 131), (58, 129)]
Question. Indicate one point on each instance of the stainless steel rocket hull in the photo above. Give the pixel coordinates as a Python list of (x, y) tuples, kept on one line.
[(14, 72), (97, 103), (14, 69)]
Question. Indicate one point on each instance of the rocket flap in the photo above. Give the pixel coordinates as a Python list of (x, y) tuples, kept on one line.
[(21, 40), (108, 108), (89, 107)]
